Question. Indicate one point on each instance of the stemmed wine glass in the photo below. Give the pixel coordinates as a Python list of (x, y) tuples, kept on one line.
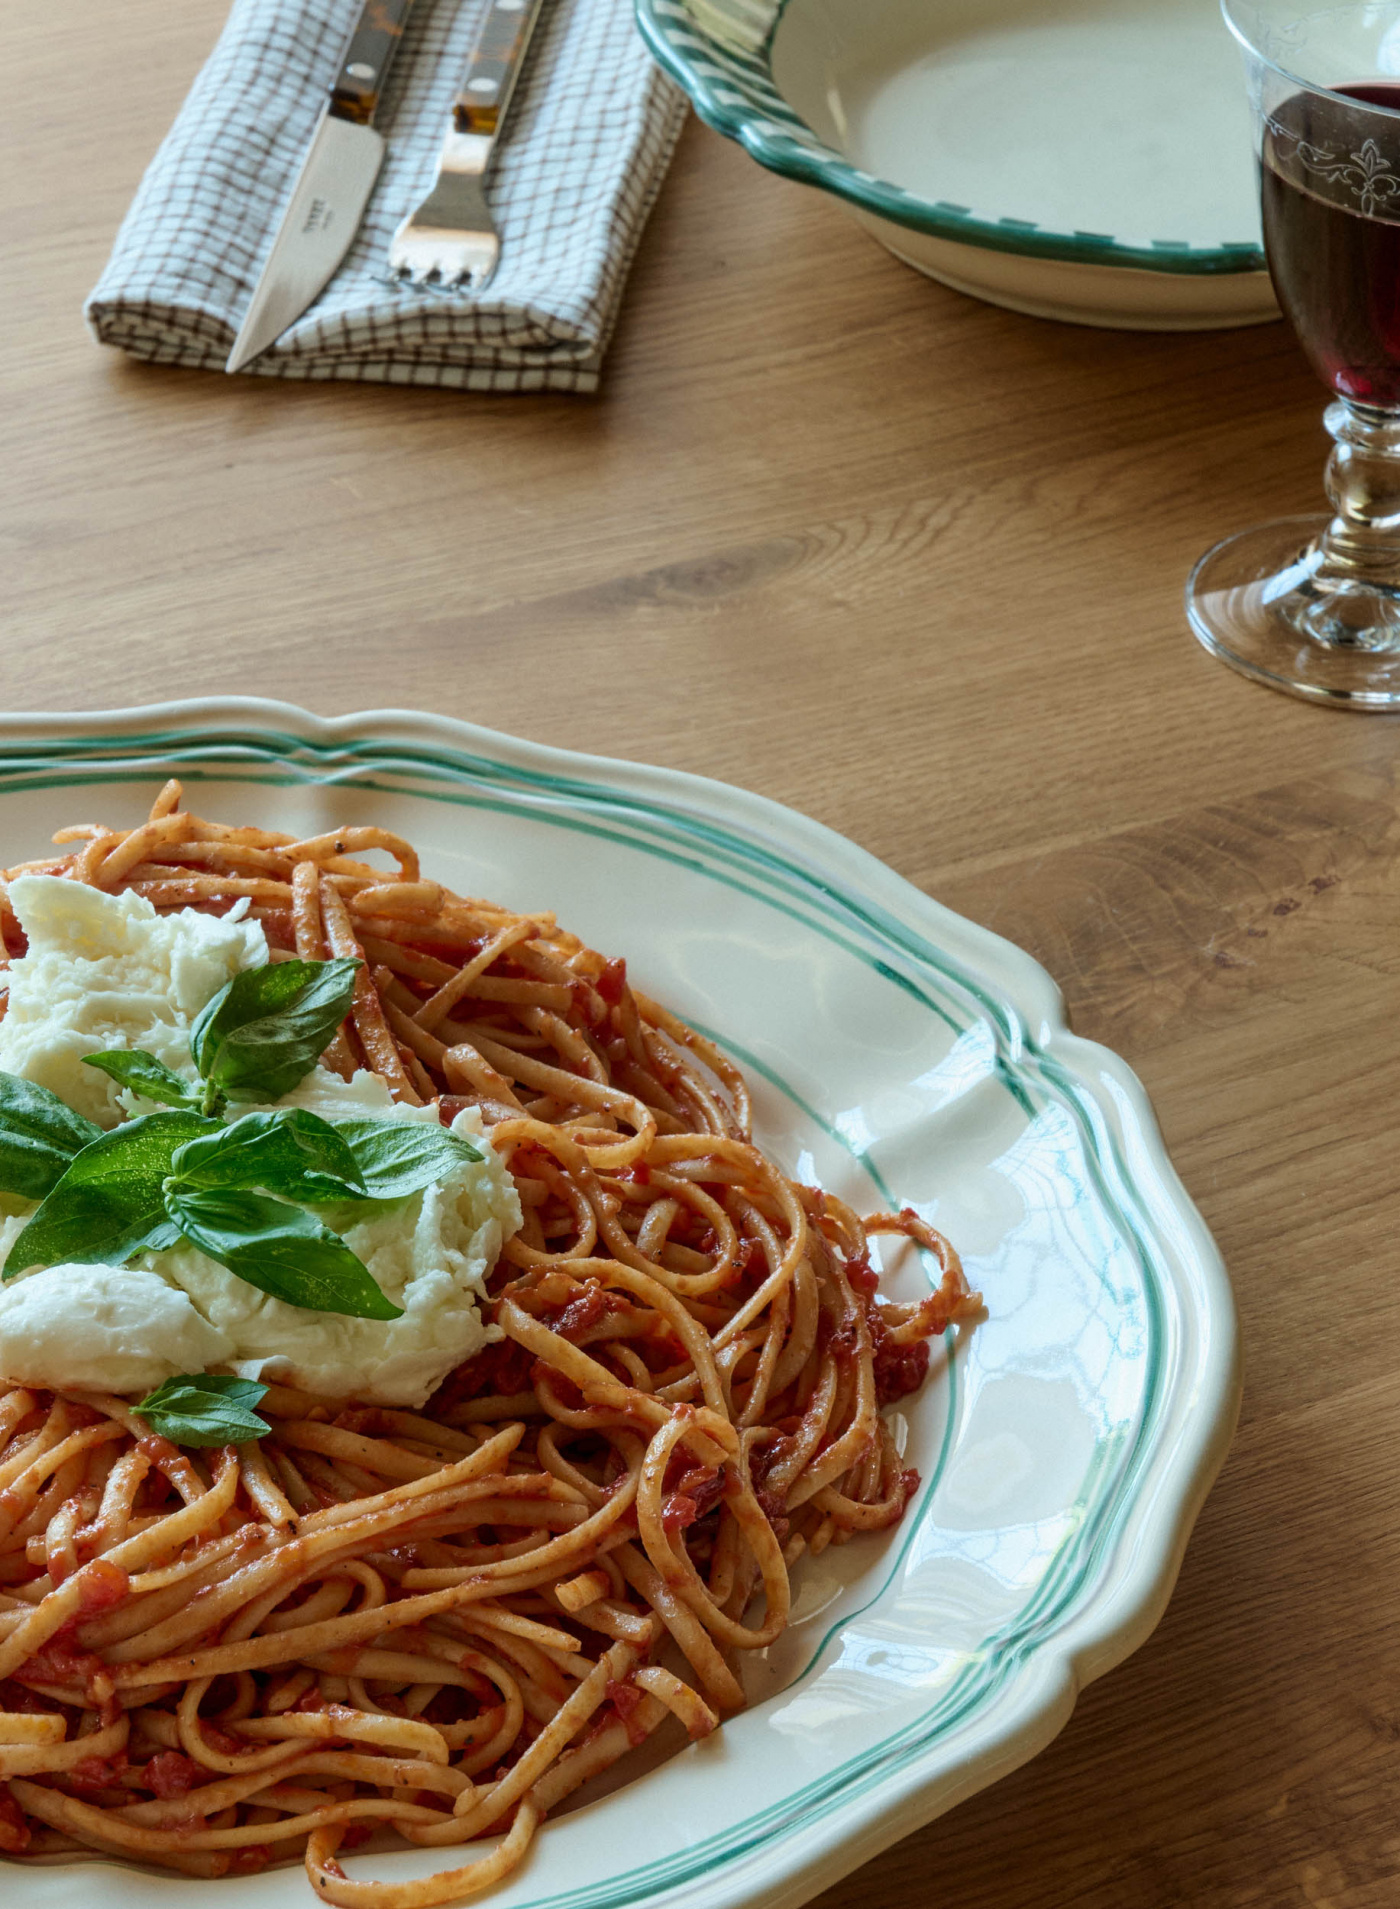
[(1312, 604)]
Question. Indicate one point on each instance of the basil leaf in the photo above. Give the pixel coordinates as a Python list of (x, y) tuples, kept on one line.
[(133, 1067), (268, 1028), (203, 1408), (280, 1249), (399, 1157), (39, 1137), (291, 1152), (110, 1203)]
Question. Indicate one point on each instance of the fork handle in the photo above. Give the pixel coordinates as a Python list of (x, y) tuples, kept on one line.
[(494, 66), (364, 65)]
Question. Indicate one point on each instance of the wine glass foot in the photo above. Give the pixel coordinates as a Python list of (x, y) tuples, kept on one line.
[(1256, 602)]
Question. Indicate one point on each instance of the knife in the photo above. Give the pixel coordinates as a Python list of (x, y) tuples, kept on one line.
[(332, 190)]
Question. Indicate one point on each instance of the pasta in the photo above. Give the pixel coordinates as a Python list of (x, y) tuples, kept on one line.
[(443, 1623)]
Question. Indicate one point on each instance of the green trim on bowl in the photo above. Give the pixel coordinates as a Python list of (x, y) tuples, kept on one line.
[(730, 83), (898, 954)]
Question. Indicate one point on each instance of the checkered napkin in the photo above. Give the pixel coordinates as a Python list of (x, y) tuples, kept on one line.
[(585, 148)]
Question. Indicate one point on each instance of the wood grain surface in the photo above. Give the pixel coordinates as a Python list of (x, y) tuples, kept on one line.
[(913, 565)]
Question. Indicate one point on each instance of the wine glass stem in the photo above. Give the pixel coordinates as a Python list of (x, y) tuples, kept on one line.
[(1361, 545)]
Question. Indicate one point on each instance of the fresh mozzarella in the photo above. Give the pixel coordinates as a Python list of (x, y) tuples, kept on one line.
[(103, 1328), (363, 1097), (430, 1254), (107, 971)]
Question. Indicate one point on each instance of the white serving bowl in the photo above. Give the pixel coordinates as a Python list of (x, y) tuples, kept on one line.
[(1087, 160)]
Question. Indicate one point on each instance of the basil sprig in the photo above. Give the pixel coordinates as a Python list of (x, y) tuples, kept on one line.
[(289, 1152), (178, 1176), (254, 1041), (299, 1156), (110, 1204), (133, 1067), (399, 1157), (283, 1250), (236, 1191), (39, 1137), (203, 1408), (269, 1027)]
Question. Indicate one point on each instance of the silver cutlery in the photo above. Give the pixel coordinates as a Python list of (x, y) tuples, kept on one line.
[(333, 187), (451, 239)]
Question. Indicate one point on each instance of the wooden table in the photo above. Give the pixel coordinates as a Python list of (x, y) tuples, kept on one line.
[(913, 565)]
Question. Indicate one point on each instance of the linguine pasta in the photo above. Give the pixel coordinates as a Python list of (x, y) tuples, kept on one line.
[(442, 1623)]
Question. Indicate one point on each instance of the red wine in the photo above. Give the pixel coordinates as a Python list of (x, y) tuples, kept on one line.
[(1331, 199)]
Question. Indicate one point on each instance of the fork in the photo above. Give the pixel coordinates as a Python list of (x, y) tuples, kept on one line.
[(452, 239)]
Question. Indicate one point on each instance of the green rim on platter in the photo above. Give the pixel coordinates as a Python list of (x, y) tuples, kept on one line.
[(720, 52), (1128, 1208)]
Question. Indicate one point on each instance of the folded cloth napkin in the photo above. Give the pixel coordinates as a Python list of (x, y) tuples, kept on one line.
[(584, 151)]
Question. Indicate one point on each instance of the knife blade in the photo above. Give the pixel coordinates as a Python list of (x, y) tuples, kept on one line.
[(333, 187)]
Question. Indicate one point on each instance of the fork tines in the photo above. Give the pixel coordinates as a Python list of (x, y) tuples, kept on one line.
[(451, 239)]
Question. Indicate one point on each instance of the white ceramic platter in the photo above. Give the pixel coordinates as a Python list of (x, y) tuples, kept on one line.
[(899, 1054), (1079, 159)]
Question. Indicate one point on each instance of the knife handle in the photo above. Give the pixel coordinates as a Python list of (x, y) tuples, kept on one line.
[(494, 66), (364, 65)]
